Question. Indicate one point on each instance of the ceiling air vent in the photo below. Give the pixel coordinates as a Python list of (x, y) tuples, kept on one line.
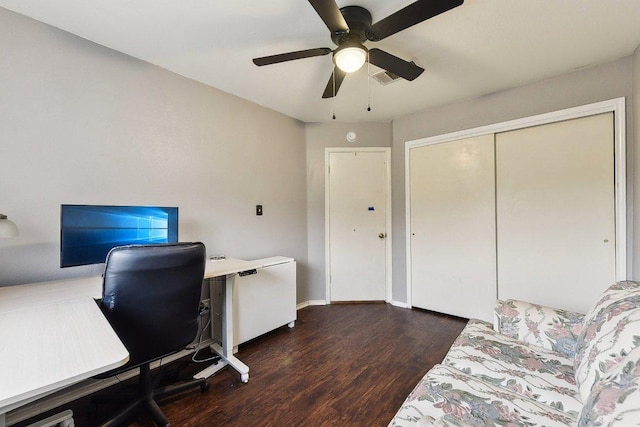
[(385, 77)]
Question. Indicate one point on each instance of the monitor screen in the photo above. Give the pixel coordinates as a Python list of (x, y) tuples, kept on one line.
[(88, 232)]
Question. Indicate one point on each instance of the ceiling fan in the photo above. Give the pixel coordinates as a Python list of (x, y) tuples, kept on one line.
[(351, 26)]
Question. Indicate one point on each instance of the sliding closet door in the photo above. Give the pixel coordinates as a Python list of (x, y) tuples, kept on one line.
[(556, 212), (453, 253)]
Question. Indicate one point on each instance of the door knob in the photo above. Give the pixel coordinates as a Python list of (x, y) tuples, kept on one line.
[(382, 235)]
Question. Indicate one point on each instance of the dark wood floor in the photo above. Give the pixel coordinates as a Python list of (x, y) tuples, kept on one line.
[(342, 365)]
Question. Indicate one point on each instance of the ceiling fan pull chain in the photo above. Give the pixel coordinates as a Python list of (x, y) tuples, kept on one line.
[(333, 76), (368, 82)]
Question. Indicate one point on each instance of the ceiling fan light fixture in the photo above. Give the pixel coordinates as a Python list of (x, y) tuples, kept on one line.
[(350, 58)]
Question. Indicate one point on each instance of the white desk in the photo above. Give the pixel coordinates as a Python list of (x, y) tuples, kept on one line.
[(53, 335), (44, 293)]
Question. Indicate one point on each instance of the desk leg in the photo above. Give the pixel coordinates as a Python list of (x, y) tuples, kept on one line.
[(3, 420), (226, 350)]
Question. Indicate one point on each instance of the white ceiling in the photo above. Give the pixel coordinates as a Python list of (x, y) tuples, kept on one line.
[(478, 48)]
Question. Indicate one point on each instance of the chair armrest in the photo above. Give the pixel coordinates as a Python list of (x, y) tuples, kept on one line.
[(552, 328)]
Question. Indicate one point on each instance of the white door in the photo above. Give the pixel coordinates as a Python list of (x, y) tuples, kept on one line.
[(452, 229), (556, 212), (357, 190)]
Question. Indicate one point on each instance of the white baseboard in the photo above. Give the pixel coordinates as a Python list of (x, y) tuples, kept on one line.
[(399, 304), (318, 302), (323, 302), (310, 302)]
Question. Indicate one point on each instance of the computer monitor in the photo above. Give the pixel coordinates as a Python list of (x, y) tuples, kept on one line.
[(88, 232)]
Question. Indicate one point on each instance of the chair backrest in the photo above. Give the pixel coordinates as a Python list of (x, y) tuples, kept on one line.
[(151, 297)]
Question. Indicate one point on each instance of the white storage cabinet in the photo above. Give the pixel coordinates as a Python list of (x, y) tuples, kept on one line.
[(262, 302)]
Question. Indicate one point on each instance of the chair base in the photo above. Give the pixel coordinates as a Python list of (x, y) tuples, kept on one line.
[(146, 396)]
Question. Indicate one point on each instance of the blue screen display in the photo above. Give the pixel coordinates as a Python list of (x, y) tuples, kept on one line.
[(88, 233)]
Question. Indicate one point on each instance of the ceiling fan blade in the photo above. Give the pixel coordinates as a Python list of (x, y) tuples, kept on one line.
[(405, 69), (413, 14), (330, 15), (329, 91), (290, 56)]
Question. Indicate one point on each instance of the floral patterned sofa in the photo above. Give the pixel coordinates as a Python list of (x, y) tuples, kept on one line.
[(538, 366)]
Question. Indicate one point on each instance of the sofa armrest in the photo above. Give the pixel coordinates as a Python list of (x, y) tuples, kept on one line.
[(428, 421), (552, 328)]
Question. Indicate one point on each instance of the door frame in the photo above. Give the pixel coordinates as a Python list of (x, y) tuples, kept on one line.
[(616, 106), (389, 237)]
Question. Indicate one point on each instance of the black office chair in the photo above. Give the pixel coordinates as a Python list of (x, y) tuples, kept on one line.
[(151, 298)]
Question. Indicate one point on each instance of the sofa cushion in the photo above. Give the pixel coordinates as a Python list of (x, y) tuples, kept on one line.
[(611, 329), (453, 398), (531, 371), (548, 327), (615, 399)]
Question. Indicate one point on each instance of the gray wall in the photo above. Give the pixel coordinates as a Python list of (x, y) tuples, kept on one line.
[(590, 85), (83, 124), (633, 146), (318, 137)]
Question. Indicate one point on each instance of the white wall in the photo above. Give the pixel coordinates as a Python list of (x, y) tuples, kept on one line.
[(590, 85), (80, 123), (318, 137)]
